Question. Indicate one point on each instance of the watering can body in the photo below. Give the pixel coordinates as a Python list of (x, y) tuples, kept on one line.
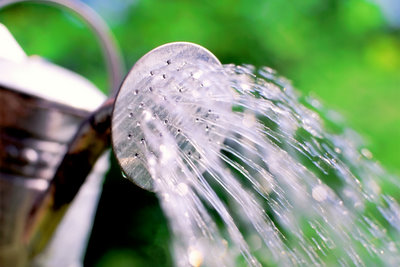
[(41, 108)]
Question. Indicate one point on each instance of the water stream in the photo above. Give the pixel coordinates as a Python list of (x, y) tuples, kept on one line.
[(250, 173)]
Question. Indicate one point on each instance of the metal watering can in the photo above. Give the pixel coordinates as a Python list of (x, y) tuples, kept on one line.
[(54, 126), (49, 143)]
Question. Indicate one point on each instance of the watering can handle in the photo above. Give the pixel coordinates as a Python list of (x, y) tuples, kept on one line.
[(109, 46)]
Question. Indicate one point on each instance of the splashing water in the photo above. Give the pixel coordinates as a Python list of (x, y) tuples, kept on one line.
[(247, 172)]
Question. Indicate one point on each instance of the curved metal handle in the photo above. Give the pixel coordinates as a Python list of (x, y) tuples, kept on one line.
[(109, 46)]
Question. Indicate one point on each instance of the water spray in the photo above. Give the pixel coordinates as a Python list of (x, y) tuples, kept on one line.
[(243, 170)]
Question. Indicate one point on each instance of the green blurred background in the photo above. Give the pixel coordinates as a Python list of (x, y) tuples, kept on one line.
[(344, 52)]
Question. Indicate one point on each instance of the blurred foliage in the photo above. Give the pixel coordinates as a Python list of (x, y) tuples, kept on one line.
[(342, 51)]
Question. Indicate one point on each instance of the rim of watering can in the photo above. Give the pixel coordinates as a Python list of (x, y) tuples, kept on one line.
[(109, 46)]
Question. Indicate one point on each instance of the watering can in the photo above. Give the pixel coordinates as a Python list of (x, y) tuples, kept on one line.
[(54, 127), (47, 151)]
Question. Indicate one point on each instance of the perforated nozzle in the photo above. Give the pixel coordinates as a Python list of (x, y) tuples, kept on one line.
[(150, 116)]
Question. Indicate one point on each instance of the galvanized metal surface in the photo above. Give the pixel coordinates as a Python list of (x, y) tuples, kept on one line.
[(49, 142)]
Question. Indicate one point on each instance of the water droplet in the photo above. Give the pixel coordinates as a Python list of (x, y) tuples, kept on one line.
[(136, 92), (151, 73), (152, 161), (164, 76), (206, 83), (165, 197), (129, 136), (245, 87), (249, 120), (130, 115), (319, 193), (197, 74), (167, 153), (182, 189), (146, 115), (366, 153), (151, 89), (195, 257), (315, 103), (165, 121), (168, 61), (376, 189)]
